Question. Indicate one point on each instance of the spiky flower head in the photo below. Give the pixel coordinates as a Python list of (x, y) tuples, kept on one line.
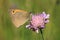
[(38, 21)]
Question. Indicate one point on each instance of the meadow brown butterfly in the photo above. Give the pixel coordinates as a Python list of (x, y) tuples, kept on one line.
[(19, 17)]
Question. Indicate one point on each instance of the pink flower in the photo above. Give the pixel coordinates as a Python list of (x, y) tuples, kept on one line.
[(38, 21)]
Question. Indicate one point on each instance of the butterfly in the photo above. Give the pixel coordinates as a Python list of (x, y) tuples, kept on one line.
[(18, 16)]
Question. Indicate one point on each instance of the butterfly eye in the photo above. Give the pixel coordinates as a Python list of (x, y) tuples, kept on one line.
[(13, 11)]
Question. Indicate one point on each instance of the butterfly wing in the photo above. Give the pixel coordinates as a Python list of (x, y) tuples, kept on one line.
[(19, 17)]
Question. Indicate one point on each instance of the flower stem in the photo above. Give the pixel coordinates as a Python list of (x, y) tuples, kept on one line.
[(42, 34)]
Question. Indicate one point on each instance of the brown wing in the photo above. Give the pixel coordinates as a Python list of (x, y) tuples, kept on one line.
[(19, 17)]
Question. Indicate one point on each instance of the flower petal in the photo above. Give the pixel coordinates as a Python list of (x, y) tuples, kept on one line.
[(47, 16), (42, 26), (44, 14), (46, 21), (27, 26), (37, 31)]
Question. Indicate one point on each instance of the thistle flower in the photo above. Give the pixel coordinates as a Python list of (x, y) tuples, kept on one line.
[(38, 21)]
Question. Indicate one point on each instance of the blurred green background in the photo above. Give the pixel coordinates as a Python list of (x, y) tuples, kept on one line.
[(9, 32)]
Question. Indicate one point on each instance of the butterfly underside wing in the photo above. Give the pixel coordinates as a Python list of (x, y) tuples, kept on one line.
[(18, 17)]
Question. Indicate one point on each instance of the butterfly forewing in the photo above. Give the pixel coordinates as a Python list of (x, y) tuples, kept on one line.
[(19, 17)]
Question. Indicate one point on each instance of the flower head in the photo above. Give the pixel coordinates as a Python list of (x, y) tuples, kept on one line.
[(38, 21)]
